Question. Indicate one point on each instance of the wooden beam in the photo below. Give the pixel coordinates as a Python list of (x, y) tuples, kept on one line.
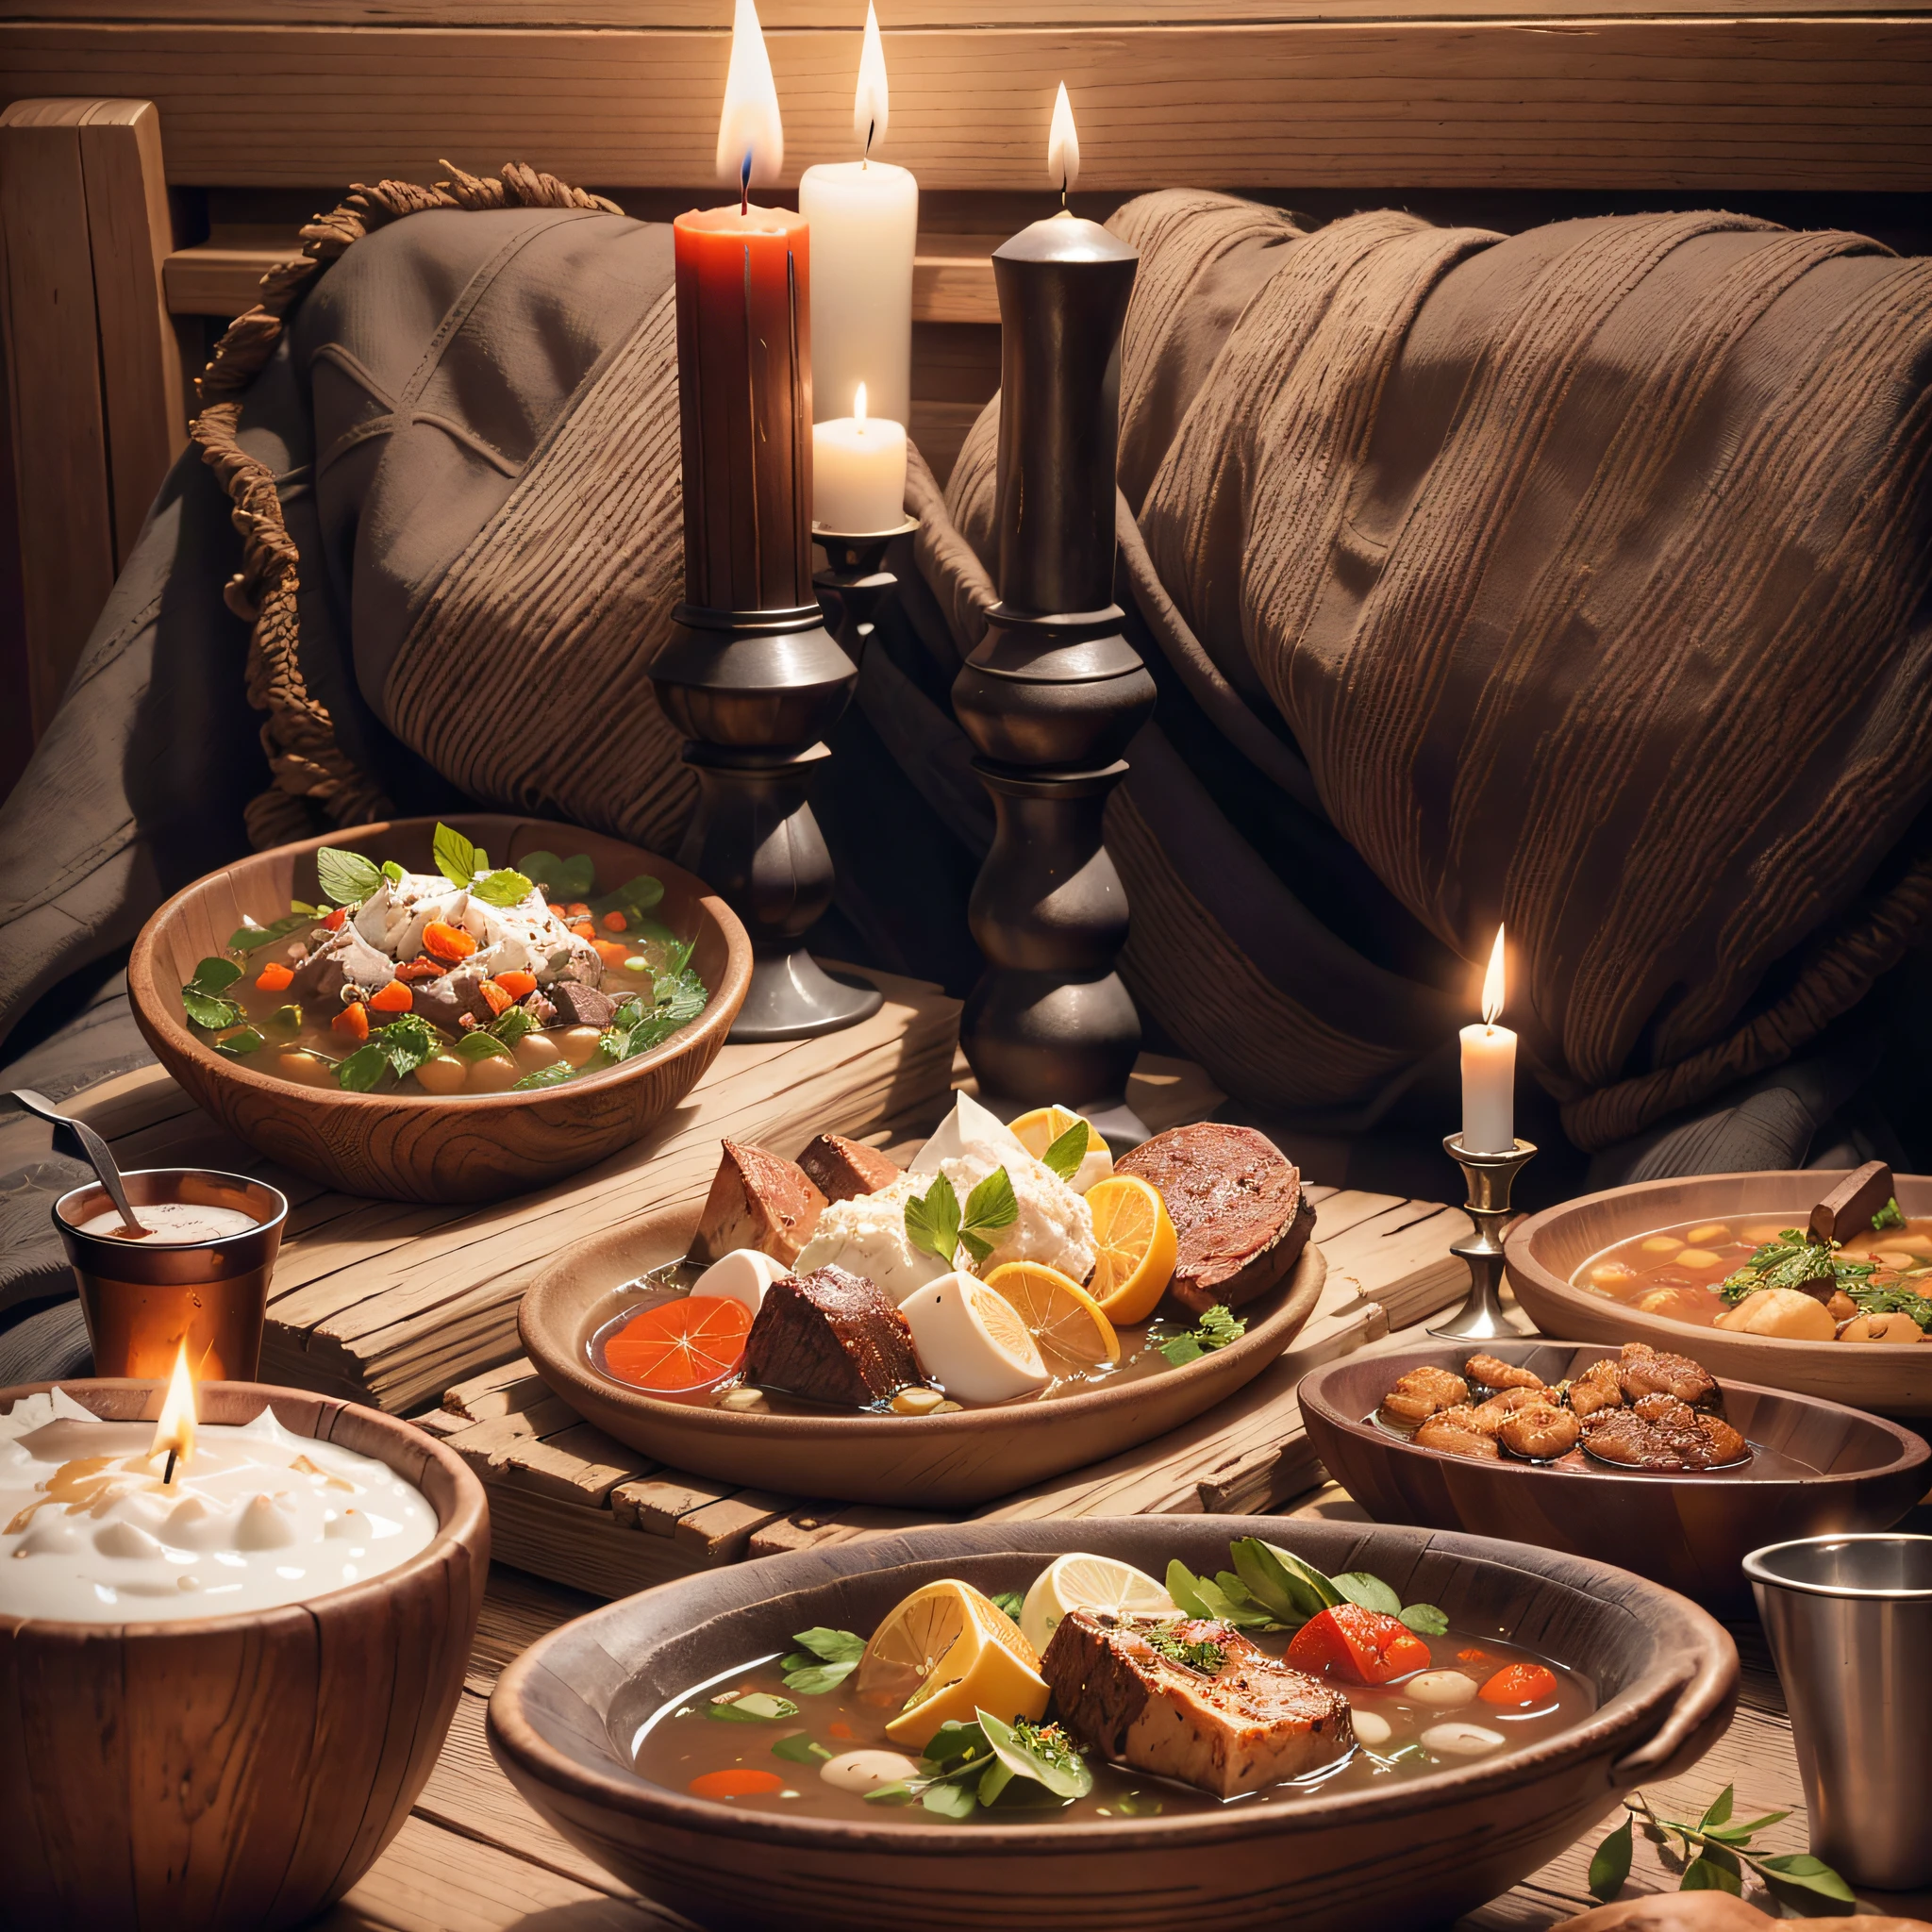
[(1711, 103)]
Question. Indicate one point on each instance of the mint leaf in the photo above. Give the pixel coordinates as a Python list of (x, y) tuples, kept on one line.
[(206, 1010), (346, 877), (391, 872), (754, 1707), (406, 1043), (834, 1646), (1219, 1326), (891, 1794), (1068, 1150), (634, 898), (990, 1207), (1610, 1867), (933, 1223), (510, 1026), (1371, 1593), (504, 887), (480, 1045), (455, 857), (236, 1044), (1186, 1589), (814, 1680), (1425, 1620), (212, 975), (364, 1068), (798, 1748), (251, 939)]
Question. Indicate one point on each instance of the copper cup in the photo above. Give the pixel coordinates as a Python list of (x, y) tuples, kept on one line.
[(143, 1299)]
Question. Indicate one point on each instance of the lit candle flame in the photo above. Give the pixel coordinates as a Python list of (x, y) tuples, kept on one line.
[(1493, 983), (869, 104), (859, 406), (1063, 144), (175, 1432), (751, 138)]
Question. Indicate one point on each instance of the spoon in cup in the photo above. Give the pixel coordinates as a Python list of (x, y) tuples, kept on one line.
[(96, 1151)]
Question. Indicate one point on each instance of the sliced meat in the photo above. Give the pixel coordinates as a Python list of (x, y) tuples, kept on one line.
[(347, 959), (1663, 1434), (1235, 1720), (1644, 1371), (578, 1004), (1596, 1389), (830, 1337), (1422, 1392), (758, 1201), (1539, 1430), (448, 1001), (842, 1170), (1237, 1205), (1492, 1371), (1490, 1416), (1455, 1433)]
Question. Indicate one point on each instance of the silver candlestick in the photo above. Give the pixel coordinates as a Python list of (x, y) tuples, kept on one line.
[(1487, 1179)]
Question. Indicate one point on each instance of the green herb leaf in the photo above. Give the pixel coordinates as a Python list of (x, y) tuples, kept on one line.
[(1182, 1350), (1207, 1656), (1425, 1620), (391, 872), (1233, 1603), (364, 1068), (455, 858), (1371, 1593), (835, 1646), (933, 1223), (814, 1680), (346, 877), (1281, 1582), (891, 1794), (634, 898), (236, 1044), (1219, 1326), (205, 1010), (407, 1042), (1185, 1588), (1706, 1874), (1011, 1601), (755, 1707), (1610, 1867), (1044, 1753), (214, 974), (251, 939), (510, 1026), (1888, 1216), (561, 878), (555, 1074), (1068, 1150), (949, 1801), (288, 1018), (503, 886), (992, 1781), (798, 1748), (1757, 1824), (955, 1746), (480, 1044), (1808, 1873), (1719, 1810)]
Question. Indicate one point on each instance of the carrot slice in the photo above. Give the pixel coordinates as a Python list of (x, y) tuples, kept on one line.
[(739, 1781), (611, 952), (393, 998), (446, 941), (334, 920), (498, 997), (616, 922), (274, 978), (353, 1020), (1362, 1646), (1518, 1684), (680, 1346), (518, 985)]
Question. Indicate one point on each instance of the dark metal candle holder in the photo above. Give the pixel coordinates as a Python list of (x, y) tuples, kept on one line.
[(856, 580), (1487, 1179), (1055, 692)]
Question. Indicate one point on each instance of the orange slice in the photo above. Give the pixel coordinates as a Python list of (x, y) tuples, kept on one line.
[(946, 1652), (1036, 1131), (1134, 1248), (1065, 1320), (680, 1346)]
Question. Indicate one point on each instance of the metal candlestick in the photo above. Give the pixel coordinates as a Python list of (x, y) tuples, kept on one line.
[(1055, 692), (856, 581), (1487, 1179)]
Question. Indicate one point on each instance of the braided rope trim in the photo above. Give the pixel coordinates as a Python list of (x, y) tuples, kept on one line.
[(299, 737)]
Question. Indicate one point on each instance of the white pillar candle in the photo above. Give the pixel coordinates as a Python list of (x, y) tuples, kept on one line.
[(864, 218), (1488, 1071), (857, 470)]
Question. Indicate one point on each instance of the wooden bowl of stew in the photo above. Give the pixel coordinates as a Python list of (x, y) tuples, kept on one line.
[(1550, 1254), (414, 1146), (1816, 1468), (1405, 1850)]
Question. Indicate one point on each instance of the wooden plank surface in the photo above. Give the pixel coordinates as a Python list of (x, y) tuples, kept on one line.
[(1815, 101)]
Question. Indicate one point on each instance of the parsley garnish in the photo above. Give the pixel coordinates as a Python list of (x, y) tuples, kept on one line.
[(1888, 1216), (936, 1223), (1207, 1656), (1216, 1329)]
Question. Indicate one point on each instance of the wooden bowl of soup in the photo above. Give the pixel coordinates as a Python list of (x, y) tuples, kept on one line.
[(241, 1771), (586, 1722), (411, 1146), (1565, 1262), (1814, 1468)]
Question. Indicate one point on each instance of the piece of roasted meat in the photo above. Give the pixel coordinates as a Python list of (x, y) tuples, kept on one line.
[(1596, 1388), (1490, 1415), (1540, 1430), (1422, 1392), (841, 1170), (1455, 1432), (1644, 1371), (830, 1336), (1492, 1371), (1659, 1433), (1193, 1700), (757, 1200)]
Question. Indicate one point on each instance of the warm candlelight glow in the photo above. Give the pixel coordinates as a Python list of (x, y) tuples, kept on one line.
[(870, 103), (175, 1429), (751, 138), (1063, 143), (859, 406), (1493, 983)]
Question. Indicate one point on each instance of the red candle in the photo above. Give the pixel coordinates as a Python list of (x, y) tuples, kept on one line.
[(745, 397)]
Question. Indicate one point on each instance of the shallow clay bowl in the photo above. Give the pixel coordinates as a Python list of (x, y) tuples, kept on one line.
[(244, 1770), (1414, 1852), (414, 1146), (936, 1461), (1690, 1532), (1546, 1250)]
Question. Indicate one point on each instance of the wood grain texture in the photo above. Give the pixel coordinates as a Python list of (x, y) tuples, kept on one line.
[(1682, 102), (1690, 1533), (1403, 1854), (411, 1146), (1545, 1250), (241, 1771)]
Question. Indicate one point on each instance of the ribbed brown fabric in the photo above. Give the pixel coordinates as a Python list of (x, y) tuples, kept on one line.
[(1587, 572)]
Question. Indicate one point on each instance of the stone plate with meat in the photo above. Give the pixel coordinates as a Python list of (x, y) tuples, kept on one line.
[(1813, 1467)]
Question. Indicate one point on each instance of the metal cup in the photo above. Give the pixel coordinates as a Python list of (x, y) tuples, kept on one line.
[(143, 1299), (1850, 1622)]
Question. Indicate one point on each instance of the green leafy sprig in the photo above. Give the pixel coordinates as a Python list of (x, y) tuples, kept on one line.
[(824, 1659), (251, 938), (1272, 1588), (966, 1766), (1216, 1329), (399, 1048), (203, 998), (936, 1224), (1068, 1150), (1793, 1260), (1887, 1217), (1714, 1851), (751, 1708), (1205, 1656), (463, 863)]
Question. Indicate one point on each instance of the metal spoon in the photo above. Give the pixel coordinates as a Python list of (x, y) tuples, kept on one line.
[(93, 1146)]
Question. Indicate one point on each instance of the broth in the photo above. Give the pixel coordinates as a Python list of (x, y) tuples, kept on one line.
[(678, 1742)]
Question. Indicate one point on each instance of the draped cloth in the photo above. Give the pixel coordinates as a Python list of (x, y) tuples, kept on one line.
[(1576, 581)]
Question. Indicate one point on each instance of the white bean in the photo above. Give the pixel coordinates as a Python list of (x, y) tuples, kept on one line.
[(536, 1050), (1370, 1728), (1447, 1688), (443, 1073), (577, 1043), (866, 1770), (494, 1072), (1460, 1739)]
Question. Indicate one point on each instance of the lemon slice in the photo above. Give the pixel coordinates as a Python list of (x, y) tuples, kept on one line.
[(1036, 1131), (1134, 1247), (1062, 1316), (973, 1341), (943, 1653), (1080, 1582)]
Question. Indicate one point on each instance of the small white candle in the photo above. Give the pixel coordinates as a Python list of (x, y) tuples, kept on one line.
[(864, 219), (857, 470), (1488, 1071)]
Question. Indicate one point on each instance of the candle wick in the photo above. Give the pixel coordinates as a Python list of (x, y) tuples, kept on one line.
[(744, 185), (168, 1474), (1064, 189), (871, 127)]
